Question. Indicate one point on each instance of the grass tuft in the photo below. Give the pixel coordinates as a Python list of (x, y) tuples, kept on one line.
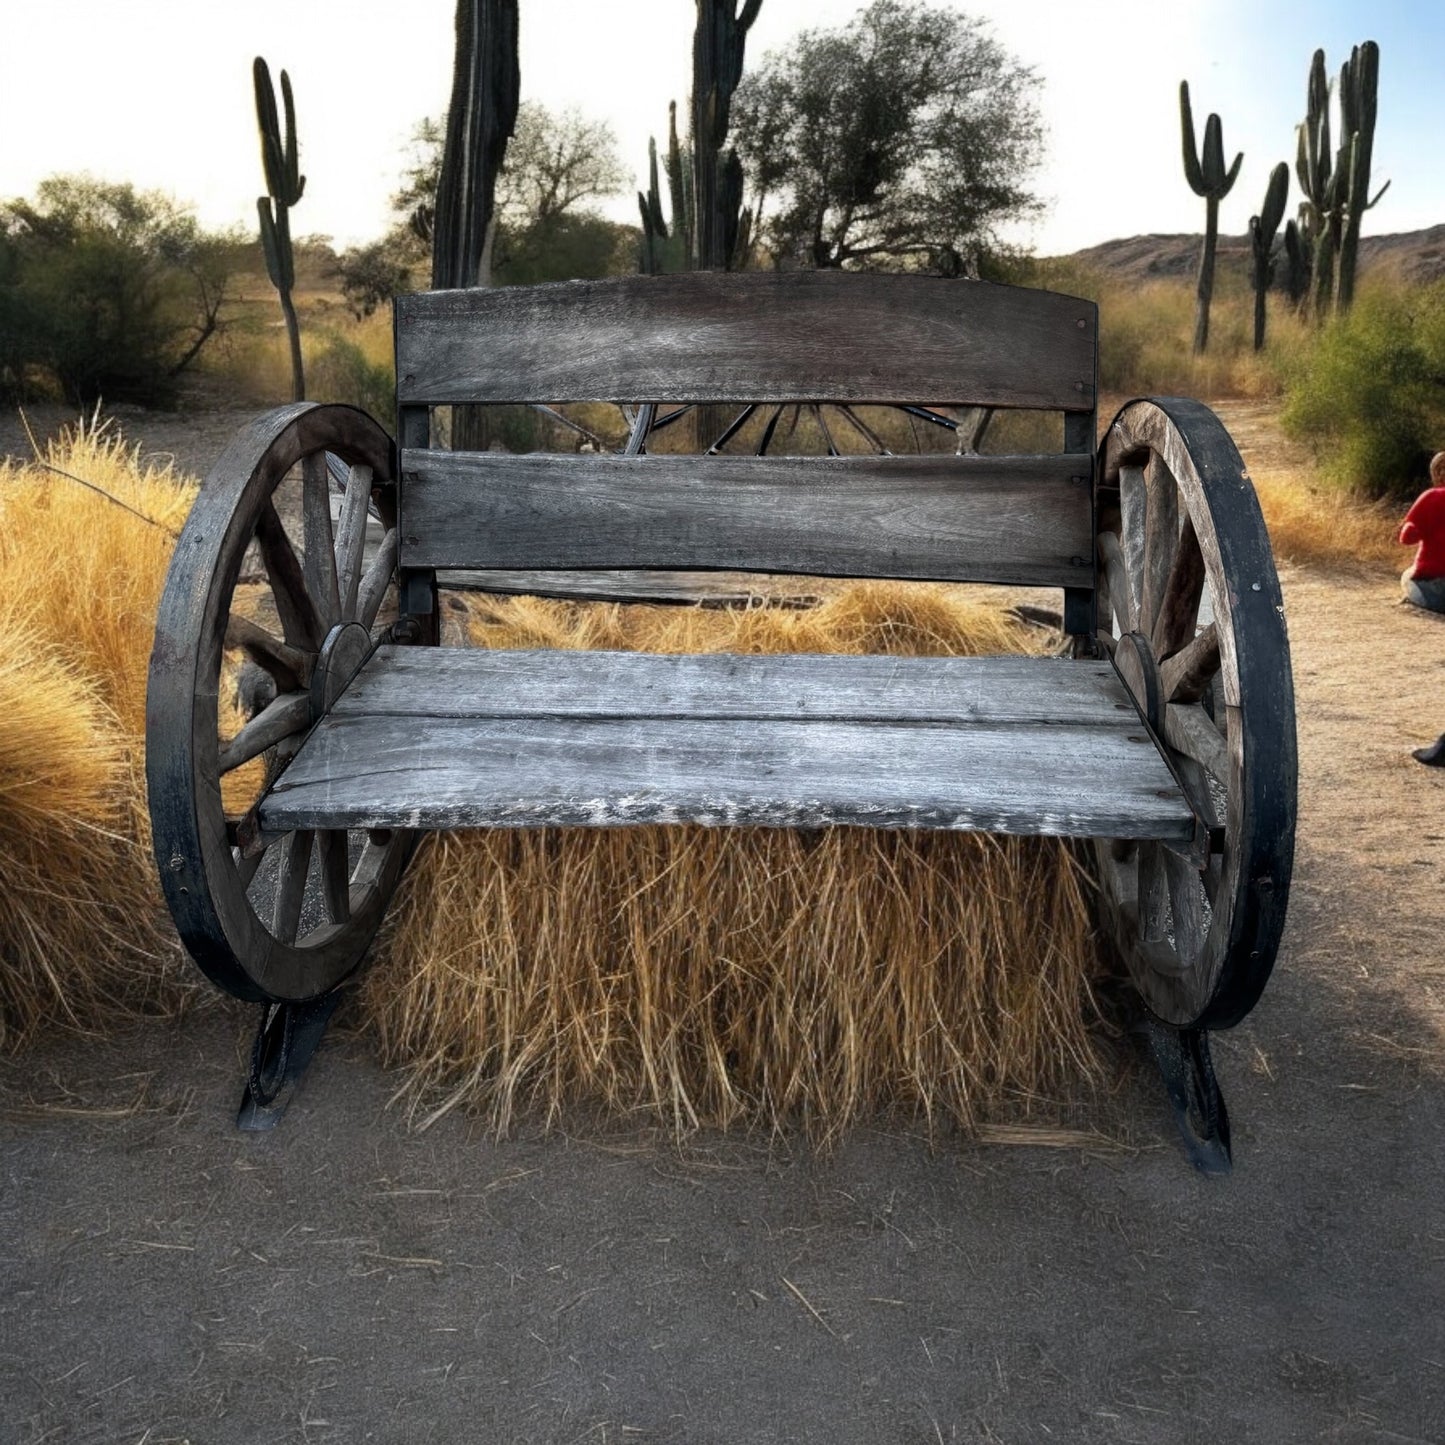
[(83, 937)]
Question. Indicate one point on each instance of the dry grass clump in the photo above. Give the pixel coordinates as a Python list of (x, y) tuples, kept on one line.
[(708, 976), (1319, 526), (82, 935)]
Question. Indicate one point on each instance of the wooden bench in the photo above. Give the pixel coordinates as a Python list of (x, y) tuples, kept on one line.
[(1167, 737)]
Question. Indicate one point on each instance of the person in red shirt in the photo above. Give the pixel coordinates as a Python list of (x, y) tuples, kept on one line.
[(1424, 579), (1424, 529)]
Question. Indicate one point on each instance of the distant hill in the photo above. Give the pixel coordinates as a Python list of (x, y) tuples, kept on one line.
[(1417, 256)]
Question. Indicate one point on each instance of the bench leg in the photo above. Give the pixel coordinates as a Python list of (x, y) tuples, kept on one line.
[(1182, 1057), (285, 1042)]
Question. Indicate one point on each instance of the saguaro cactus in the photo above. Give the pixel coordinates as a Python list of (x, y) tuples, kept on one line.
[(1321, 180), (1262, 230), (668, 246), (1359, 88), (284, 184), (717, 67), (1297, 262), (1208, 178), (486, 79)]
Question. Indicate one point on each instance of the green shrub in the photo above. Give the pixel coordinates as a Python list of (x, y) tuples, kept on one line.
[(1369, 394), (106, 291), (339, 370)]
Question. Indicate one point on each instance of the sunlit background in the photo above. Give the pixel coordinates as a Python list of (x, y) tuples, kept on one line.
[(158, 92)]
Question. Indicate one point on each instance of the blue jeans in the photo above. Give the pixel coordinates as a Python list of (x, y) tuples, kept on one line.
[(1426, 592)]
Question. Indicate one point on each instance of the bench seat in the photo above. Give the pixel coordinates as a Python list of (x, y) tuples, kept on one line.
[(459, 738)]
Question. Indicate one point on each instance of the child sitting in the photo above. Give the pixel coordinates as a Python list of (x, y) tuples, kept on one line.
[(1424, 579)]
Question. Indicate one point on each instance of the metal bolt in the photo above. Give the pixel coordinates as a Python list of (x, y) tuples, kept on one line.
[(177, 863), (1081, 323), (1254, 586)]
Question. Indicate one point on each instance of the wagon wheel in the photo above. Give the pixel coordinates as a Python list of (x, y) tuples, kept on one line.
[(269, 919), (839, 426), (1190, 610)]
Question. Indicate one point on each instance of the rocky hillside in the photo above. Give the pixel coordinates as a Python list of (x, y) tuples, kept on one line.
[(1417, 256)]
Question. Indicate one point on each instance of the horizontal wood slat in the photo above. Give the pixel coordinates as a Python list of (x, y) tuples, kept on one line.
[(478, 682), (1034, 746), (777, 336), (1024, 520)]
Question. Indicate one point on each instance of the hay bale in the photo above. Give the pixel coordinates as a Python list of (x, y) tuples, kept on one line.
[(709, 976), (84, 938)]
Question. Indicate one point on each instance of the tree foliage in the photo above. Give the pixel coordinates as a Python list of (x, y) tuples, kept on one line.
[(902, 140), (556, 166), (106, 291)]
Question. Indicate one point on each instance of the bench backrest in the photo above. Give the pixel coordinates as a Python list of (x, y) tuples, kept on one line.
[(752, 338)]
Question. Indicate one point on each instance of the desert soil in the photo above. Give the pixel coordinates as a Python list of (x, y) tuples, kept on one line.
[(345, 1279)]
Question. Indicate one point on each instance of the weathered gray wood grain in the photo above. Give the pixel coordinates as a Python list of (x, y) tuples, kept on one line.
[(1022, 520), (775, 336), (429, 772), (476, 682), (622, 584)]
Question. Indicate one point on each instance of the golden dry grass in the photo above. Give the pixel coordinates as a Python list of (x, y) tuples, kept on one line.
[(82, 931), (1318, 526), (713, 976)]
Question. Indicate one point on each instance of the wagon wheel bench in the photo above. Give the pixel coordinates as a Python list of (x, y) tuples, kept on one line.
[(1167, 737)]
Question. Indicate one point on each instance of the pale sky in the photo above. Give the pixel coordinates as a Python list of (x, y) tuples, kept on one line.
[(158, 92)]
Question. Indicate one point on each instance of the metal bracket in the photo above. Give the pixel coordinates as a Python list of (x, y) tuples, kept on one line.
[(1182, 1057), (288, 1037)]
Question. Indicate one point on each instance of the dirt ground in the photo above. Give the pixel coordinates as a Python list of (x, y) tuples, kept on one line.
[(164, 1278)]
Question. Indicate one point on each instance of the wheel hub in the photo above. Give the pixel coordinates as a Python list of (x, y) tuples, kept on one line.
[(1134, 658), (346, 647)]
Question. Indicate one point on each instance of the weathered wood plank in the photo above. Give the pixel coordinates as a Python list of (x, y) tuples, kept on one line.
[(427, 772), (475, 682), (621, 584), (749, 337), (1022, 520)]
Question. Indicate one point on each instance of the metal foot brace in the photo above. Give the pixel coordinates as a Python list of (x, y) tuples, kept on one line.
[(285, 1042), (1182, 1056)]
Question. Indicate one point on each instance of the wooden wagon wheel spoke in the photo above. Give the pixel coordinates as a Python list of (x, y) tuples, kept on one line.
[(772, 426), (1195, 627), (823, 427), (732, 429), (1178, 614), (318, 560), (1116, 576), (334, 847), (285, 716), (1161, 541), (562, 419), (372, 591), (865, 431), (1191, 731), (292, 868), (300, 621), (253, 929), (1153, 892), (351, 539), (1185, 676), (289, 667), (672, 416)]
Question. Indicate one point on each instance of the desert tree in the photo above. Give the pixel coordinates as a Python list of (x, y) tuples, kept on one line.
[(902, 140)]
